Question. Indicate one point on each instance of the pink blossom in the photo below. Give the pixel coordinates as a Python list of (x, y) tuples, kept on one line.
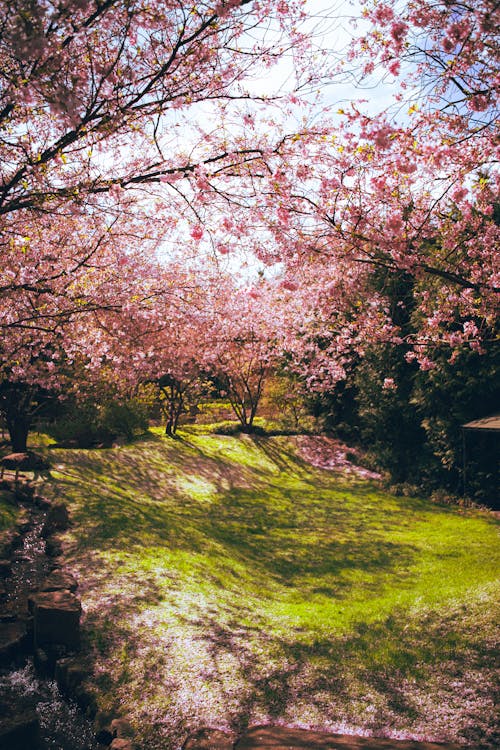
[(426, 364), (458, 31), (395, 224), (406, 167), (389, 384), (171, 177), (398, 31), (394, 67), (197, 232), (459, 194), (223, 8), (283, 215), (383, 14), (382, 136), (470, 328), (448, 45), (478, 103), (116, 191)]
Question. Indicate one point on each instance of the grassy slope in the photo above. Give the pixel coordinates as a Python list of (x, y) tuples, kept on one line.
[(8, 517), (224, 581)]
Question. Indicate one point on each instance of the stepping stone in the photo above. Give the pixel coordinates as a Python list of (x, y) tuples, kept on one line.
[(20, 731), (59, 580), (57, 618), (209, 739), (57, 519), (70, 673), (13, 636), (121, 744), (284, 738), (5, 568)]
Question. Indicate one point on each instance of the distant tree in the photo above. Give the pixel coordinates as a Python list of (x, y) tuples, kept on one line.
[(243, 345)]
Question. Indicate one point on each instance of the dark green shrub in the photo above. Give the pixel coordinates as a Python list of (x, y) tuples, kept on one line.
[(125, 419), (86, 424)]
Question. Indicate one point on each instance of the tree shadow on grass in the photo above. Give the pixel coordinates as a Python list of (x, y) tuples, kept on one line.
[(296, 538), (389, 676), (250, 533)]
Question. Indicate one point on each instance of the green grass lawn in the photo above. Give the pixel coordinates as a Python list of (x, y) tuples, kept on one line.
[(226, 581), (8, 516)]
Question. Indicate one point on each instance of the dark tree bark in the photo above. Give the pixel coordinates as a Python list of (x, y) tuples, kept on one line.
[(16, 405), (18, 433)]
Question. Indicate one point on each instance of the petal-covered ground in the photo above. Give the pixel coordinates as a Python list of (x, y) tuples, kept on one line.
[(227, 581)]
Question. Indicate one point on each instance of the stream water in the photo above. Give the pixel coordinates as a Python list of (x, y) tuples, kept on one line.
[(62, 724)]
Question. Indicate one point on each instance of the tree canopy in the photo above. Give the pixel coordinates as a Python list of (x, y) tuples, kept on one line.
[(144, 154)]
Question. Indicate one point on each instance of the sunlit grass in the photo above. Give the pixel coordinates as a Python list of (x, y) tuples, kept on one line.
[(225, 580)]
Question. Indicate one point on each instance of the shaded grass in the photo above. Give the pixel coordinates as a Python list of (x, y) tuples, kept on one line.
[(226, 581), (8, 513)]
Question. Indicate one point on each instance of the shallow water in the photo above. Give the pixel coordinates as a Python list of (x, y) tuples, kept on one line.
[(62, 724), (30, 564)]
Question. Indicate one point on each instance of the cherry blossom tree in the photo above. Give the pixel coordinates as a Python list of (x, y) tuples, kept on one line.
[(165, 343), (98, 100), (125, 129), (244, 342), (412, 190), (61, 292), (94, 96)]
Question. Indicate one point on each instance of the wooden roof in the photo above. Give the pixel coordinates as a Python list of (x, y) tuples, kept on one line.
[(491, 423)]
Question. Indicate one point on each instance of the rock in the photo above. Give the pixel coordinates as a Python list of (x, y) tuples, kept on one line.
[(59, 580), (23, 525), (8, 616), (27, 461), (15, 539), (122, 729), (41, 662), (209, 739), (13, 640), (86, 699), (57, 519), (20, 731), (70, 673), (19, 607), (57, 618), (21, 556), (47, 657), (53, 547), (5, 568), (104, 736), (24, 492), (104, 733), (279, 738), (42, 502), (122, 744)]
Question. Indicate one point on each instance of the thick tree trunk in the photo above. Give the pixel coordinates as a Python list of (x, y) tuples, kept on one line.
[(16, 405), (18, 427)]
